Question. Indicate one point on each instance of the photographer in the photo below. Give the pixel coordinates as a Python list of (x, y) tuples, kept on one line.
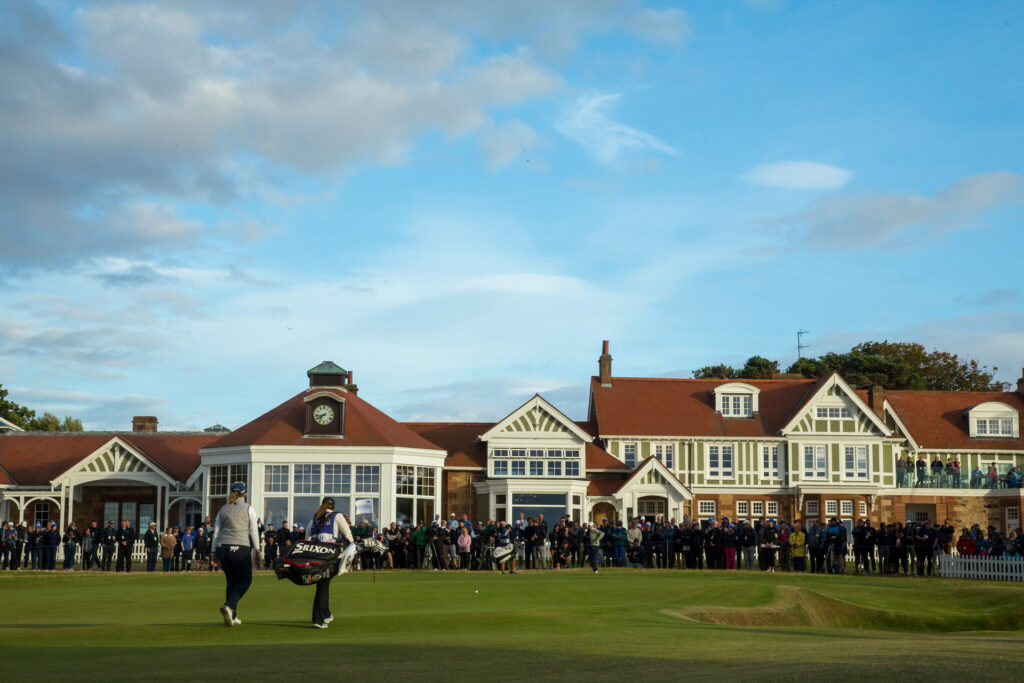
[(770, 537)]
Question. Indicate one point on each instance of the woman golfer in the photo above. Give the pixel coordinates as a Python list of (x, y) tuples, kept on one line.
[(234, 537), (327, 526)]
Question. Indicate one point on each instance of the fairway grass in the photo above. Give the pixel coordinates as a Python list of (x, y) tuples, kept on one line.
[(618, 625)]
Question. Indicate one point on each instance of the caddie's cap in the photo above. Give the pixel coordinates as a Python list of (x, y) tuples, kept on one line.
[(238, 487)]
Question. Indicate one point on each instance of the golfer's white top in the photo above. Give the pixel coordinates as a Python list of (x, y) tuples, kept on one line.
[(341, 528)]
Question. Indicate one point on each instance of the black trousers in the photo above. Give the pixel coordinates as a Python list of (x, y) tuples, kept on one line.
[(322, 601), (236, 561), (108, 558), (124, 558)]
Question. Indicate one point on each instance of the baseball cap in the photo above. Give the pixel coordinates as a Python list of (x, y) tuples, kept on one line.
[(329, 501), (238, 487)]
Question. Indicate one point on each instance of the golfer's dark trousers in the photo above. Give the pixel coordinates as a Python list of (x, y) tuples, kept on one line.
[(236, 561), (322, 601)]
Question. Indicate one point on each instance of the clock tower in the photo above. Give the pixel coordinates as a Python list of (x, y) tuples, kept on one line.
[(325, 401)]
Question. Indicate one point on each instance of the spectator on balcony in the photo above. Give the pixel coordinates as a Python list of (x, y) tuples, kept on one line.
[(976, 477), (922, 471), (965, 545), (902, 465), (1013, 479), (956, 472), (993, 476), (936, 472)]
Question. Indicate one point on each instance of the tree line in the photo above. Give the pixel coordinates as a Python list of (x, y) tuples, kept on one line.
[(892, 365), (26, 418)]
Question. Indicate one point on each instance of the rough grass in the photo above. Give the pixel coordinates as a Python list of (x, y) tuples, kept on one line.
[(617, 625)]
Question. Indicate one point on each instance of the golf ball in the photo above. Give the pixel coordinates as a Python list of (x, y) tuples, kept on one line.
[(476, 591)]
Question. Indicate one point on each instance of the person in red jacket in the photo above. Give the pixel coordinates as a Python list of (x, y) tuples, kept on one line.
[(965, 545)]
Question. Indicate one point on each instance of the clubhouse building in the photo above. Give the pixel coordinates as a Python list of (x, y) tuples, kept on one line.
[(789, 447)]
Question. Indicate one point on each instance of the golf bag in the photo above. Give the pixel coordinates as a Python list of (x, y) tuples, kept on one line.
[(307, 562), (500, 553)]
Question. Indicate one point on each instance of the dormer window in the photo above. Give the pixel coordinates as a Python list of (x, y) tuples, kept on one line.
[(737, 405), (993, 420), (736, 400)]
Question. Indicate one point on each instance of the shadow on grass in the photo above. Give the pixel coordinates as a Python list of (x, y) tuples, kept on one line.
[(334, 655)]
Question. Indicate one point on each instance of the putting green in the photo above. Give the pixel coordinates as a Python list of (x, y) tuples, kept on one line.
[(616, 625)]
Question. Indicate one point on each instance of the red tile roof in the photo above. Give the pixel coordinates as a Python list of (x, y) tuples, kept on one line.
[(459, 439), (937, 419), (35, 459), (600, 459), (284, 425), (604, 487), (685, 407)]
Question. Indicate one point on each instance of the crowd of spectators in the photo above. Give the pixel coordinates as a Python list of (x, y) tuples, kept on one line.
[(766, 545), (948, 474)]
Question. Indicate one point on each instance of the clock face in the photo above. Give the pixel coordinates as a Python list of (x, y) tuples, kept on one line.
[(323, 414)]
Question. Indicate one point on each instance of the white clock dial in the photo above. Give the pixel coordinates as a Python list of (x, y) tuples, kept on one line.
[(323, 414)]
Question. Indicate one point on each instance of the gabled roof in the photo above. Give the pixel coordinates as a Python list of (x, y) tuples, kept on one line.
[(938, 419), (685, 407), (551, 419), (37, 458), (364, 426), (666, 473), (459, 439), (834, 379), (7, 425)]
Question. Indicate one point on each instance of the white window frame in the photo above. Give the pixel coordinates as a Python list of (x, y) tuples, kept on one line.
[(757, 508), (719, 471), (707, 508), (831, 508), (771, 508), (626, 448), (856, 473), (742, 508), (841, 413), (812, 508), (846, 509), (574, 465), (770, 461), (665, 453), (863, 509), (737, 406), (816, 472)]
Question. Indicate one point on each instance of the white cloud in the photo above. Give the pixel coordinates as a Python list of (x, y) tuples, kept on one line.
[(867, 220), (589, 124), (508, 141), (662, 26), (798, 175)]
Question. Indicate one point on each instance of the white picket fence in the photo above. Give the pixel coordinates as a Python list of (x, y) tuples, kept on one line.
[(977, 567)]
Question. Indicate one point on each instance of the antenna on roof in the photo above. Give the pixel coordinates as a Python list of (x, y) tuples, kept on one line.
[(799, 345)]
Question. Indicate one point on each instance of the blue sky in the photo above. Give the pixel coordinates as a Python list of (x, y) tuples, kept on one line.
[(460, 200)]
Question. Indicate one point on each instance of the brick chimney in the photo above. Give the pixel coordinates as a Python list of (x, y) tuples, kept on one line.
[(604, 365), (352, 387), (1020, 382), (876, 397), (144, 423)]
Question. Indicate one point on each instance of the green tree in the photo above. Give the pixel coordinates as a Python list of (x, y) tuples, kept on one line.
[(901, 366), (759, 367), (715, 372), (27, 420), (11, 411)]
